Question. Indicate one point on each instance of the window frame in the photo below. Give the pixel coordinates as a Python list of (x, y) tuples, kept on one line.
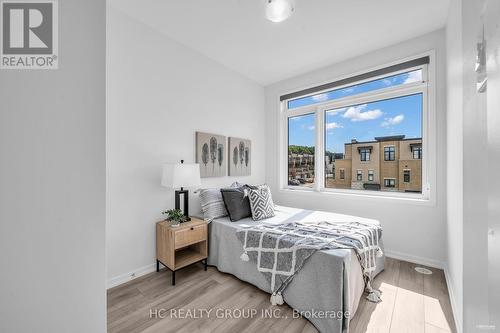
[(359, 175), (394, 153), (409, 176), (419, 149), (366, 152), (429, 137), (371, 173), (388, 178)]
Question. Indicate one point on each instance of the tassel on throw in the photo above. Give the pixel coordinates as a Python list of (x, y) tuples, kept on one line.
[(380, 253), (244, 256), (276, 299), (373, 294)]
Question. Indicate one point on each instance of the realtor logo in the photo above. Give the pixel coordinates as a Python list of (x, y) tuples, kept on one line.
[(28, 34)]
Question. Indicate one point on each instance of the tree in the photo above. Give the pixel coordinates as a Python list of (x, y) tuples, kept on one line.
[(300, 150)]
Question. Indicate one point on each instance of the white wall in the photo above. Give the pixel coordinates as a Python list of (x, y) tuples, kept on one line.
[(159, 94), (472, 147), (492, 31), (475, 176), (454, 155), (412, 230), (52, 176)]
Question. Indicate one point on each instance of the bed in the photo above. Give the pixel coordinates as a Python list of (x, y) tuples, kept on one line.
[(331, 280)]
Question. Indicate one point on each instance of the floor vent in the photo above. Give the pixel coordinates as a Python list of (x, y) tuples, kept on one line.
[(422, 270)]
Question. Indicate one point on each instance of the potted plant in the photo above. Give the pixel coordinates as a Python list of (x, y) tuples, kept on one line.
[(176, 216)]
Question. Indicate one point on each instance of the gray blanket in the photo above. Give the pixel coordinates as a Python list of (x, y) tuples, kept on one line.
[(331, 280), (280, 251)]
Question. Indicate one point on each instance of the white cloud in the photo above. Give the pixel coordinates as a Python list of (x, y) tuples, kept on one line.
[(348, 90), (311, 128), (415, 76), (320, 97), (334, 112), (357, 113), (330, 126), (387, 82), (393, 121)]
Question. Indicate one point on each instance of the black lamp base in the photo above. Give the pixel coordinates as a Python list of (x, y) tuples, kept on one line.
[(185, 194)]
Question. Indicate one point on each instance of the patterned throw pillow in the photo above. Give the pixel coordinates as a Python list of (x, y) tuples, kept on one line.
[(261, 202), (212, 204)]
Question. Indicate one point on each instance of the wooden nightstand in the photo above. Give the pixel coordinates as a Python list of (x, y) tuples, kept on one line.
[(178, 247)]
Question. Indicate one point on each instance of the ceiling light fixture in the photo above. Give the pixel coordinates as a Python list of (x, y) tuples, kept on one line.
[(278, 10)]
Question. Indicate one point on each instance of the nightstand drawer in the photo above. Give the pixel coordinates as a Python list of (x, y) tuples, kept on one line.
[(190, 235)]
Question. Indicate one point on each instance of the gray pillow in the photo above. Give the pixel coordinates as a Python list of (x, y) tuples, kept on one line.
[(236, 202), (261, 203)]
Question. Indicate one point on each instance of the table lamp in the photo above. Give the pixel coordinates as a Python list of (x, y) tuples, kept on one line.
[(181, 175)]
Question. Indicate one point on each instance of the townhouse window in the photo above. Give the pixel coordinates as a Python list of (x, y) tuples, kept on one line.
[(364, 154), (389, 153), (389, 182), (417, 153), (371, 114), (406, 176)]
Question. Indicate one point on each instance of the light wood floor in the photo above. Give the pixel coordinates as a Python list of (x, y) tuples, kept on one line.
[(411, 302)]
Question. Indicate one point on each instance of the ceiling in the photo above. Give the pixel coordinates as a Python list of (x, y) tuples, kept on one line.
[(236, 34)]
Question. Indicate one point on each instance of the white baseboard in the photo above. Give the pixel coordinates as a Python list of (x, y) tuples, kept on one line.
[(120, 279), (415, 259), (453, 300)]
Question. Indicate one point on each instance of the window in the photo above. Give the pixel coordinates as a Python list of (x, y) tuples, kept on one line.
[(355, 125), (389, 81), (301, 150), (389, 182), (389, 153), (364, 154), (406, 176), (417, 153)]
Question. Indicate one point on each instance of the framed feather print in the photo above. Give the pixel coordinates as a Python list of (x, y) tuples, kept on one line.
[(240, 157), (211, 154)]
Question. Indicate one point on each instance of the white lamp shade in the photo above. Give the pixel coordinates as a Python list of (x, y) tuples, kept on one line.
[(181, 175)]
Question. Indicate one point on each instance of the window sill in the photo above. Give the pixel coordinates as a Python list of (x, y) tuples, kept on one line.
[(393, 197)]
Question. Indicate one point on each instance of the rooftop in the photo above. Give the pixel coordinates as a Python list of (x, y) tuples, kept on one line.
[(383, 138)]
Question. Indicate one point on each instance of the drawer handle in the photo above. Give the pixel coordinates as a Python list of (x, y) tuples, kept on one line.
[(192, 228)]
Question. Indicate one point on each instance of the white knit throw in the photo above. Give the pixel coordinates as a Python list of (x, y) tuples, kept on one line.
[(300, 240)]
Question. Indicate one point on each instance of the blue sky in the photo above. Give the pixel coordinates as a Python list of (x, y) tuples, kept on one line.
[(397, 116)]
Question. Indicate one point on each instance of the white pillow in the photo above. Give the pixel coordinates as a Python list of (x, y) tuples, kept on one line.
[(212, 204)]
